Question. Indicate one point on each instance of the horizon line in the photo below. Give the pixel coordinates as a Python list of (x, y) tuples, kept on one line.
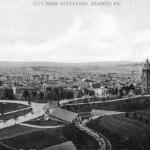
[(34, 61)]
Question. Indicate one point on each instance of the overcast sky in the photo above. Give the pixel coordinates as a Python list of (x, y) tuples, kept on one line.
[(74, 34)]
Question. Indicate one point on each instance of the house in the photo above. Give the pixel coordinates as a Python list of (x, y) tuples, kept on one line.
[(64, 115)]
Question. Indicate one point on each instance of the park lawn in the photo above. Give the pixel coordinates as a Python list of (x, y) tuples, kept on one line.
[(8, 107), (37, 140), (16, 130), (142, 116), (64, 146), (3, 148), (45, 122), (123, 133)]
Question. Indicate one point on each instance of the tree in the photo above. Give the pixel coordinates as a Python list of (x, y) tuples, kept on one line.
[(1, 83), (120, 92), (131, 87), (25, 94), (69, 94), (134, 115), (141, 118), (146, 121), (50, 95), (29, 98), (41, 95), (34, 94), (91, 93), (8, 93), (2, 108), (126, 114)]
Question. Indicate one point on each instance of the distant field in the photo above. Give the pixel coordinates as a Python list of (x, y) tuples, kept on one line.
[(124, 133), (122, 68)]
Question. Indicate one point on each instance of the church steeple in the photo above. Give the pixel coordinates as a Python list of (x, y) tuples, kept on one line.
[(146, 76), (146, 65), (147, 61)]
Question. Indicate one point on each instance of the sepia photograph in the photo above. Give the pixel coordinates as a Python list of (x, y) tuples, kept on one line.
[(75, 75)]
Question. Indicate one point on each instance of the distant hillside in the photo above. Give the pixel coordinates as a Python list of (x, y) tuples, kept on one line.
[(94, 67), (29, 64)]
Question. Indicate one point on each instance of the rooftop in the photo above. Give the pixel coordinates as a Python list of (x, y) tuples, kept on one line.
[(64, 115)]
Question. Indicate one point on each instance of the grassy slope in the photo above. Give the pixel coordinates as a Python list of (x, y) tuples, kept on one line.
[(142, 116), (123, 133)]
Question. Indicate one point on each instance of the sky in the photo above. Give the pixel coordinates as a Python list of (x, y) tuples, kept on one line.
[(74, 34)]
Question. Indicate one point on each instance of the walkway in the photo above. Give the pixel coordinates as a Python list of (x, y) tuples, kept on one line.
[(61, 102), (41, 127), (98, 102), (37, 111), (100, 113), (103, 142)]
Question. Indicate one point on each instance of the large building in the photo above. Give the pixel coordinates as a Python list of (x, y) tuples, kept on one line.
[(146, 76)]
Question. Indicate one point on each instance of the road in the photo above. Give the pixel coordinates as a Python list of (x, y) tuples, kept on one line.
[(97, 102)]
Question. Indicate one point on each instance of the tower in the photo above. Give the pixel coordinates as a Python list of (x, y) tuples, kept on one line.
[(146, 76)]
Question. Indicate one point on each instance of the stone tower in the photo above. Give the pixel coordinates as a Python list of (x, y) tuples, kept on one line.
[(146, 76)]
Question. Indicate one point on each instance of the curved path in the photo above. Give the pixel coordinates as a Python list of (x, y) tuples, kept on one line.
[(41, 127), (103, 142), (37, 111)]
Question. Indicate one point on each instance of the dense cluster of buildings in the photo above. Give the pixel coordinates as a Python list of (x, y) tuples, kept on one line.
[(79, 83)]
